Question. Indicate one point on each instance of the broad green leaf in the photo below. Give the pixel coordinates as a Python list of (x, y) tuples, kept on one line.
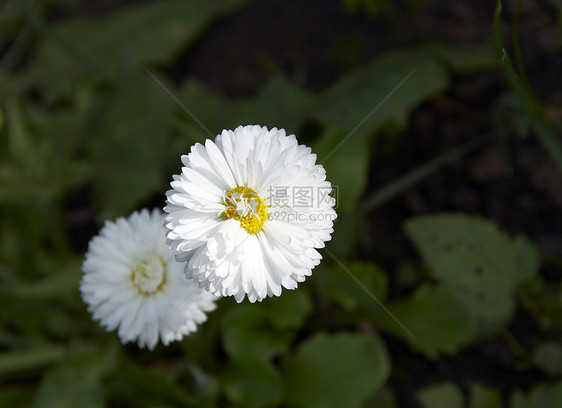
[(548, 356), (343, 287), (346, 166), (527, 259), (349, 229), (466, 58), (444, 395), (340, 370), (201, 348), (384, 398), (289, 310), (484, 397), (247, 332), (542, 395), (492, 309), (141, 387), (77, 383), (261, 331), (383, 92), (469, 251), (432, 320), (251, 383), (472, 256), (125, 40)]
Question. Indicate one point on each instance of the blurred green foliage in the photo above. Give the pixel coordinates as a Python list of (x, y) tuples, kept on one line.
[(82, 114)]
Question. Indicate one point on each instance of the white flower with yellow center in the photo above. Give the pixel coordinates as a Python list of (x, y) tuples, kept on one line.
[(132, 282), (248, 212)]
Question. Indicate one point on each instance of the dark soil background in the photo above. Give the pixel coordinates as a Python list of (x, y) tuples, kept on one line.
[(314, 43)]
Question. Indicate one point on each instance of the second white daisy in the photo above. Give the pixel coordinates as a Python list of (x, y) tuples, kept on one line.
[(132, 283), (248, 212)]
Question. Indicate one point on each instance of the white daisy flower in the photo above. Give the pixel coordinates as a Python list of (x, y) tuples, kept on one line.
[(132, 282), (248, 212)]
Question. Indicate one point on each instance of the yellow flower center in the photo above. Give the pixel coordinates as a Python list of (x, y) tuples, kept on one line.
[(244, 204), (150, 275)]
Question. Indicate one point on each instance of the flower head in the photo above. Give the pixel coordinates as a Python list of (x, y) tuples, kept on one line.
[(132, 282), (248, 212)]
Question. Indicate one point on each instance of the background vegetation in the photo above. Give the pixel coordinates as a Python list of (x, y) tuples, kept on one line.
[(439, 126)]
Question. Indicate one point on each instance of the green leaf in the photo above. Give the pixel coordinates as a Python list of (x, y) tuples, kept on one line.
[(61, 280), (544, 301), (18, 187), (40, 165), (347, 292), (466, 58), (432, 320), (346, 170), (248, 333), (384, 398), (349, 229), (472, 256), (21, 146), (132, 161), (141, 387), (492, 309), (444, 395), (280, 103), (484, 397), (469, 250), (290, 310), (77, 383), (16, 396), (348, 113), (251, 383), (21, 361), (132, 36), (340, 370), (527, 260), (261, 331), (541, 396), (383, 92), (548, 356), (361, 104), (351, 110)]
